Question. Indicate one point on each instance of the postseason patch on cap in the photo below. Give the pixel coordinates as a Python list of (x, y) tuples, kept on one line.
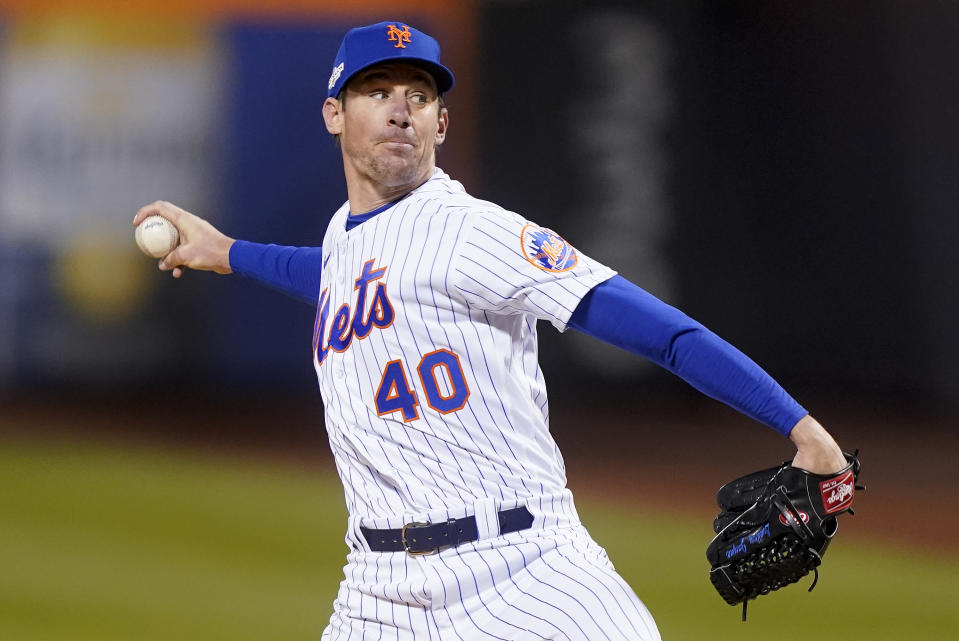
[(337, 72), (547, 249)]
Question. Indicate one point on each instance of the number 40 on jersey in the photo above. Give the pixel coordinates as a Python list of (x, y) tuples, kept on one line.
[(395, 394)]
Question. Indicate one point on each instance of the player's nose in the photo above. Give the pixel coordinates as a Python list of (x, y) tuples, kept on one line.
[(400, 113)]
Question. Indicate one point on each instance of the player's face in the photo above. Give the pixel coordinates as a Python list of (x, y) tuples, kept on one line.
[(389, 125)]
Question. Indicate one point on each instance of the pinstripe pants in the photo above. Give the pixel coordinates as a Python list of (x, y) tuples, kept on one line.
[(536, 584)]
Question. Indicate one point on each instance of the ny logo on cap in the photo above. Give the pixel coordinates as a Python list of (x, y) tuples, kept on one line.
[(398, 36)]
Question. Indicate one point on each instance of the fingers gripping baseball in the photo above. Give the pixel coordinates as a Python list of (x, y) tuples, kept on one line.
[(202, 246)]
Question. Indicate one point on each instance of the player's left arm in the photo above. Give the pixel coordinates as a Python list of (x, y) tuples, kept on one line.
[(817, 451), (623, 314)]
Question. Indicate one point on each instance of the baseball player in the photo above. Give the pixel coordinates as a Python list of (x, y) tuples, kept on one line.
[(460, 523)]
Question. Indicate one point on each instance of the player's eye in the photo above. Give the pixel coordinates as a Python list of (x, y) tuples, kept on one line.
[(379, 94), (419, 98)]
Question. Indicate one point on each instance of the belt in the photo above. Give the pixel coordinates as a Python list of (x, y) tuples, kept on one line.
[(427, 538)]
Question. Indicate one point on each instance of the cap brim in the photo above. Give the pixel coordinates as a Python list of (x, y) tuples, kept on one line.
[(443, 76)]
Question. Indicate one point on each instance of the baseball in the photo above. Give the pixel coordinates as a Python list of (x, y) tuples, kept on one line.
[(156, 236)]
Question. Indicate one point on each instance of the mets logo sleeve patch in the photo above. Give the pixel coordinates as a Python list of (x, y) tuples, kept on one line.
[(546, 249), (509, 265)]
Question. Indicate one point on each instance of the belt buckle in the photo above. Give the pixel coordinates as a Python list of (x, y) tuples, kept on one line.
[(406, 547)]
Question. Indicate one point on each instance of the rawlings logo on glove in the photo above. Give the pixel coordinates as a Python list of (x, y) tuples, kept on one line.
[(837, 492), (774, 527)]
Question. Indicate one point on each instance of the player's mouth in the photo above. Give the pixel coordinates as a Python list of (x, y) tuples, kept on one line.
[(397, 144)]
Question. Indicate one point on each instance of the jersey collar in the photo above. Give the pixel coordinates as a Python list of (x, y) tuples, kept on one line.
[(352, 220)]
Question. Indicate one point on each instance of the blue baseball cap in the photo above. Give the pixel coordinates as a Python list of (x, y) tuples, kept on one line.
[(364, 47)]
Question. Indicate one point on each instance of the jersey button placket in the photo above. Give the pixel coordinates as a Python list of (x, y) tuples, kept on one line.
[(342, 244)]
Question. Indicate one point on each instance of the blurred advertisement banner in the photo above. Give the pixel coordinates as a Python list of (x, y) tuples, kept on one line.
[(99, 116)]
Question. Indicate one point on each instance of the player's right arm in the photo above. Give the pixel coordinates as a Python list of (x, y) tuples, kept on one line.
[(202, 246), (292, 270), (295, 271)]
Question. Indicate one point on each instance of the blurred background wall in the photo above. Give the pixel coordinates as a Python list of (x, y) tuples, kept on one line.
[(783, 171)]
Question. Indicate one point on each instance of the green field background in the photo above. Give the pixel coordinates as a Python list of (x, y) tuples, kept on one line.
[(131, 542)]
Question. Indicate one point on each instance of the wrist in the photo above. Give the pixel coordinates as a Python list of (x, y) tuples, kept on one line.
[(817, 451), (806, 431)]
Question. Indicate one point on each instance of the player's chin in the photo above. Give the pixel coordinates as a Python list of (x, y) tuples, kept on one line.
[(400, 161), (392, 171)]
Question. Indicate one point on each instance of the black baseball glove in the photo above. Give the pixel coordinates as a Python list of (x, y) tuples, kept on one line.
[(774, 527)]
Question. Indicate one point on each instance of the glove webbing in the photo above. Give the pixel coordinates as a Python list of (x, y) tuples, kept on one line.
[(784, 561), (780, 564)]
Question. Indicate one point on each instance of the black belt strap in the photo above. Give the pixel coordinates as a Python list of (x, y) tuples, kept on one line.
[(424, 538)]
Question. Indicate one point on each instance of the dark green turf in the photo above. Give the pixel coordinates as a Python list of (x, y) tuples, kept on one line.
[(129, 543)]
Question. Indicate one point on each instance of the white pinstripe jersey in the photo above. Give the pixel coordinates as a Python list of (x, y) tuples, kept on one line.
[(426, 355)]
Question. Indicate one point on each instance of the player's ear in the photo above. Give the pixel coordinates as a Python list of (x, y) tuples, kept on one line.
[(444, 123), (333, 116)]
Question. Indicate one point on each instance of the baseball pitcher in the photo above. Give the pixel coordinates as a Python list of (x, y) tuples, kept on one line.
[(425, 348)]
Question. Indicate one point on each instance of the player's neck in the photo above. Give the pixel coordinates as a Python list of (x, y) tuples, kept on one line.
[(366, 194)]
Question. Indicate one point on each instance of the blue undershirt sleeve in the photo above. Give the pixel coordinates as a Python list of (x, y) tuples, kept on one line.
[(292, 270), (621, 313)]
